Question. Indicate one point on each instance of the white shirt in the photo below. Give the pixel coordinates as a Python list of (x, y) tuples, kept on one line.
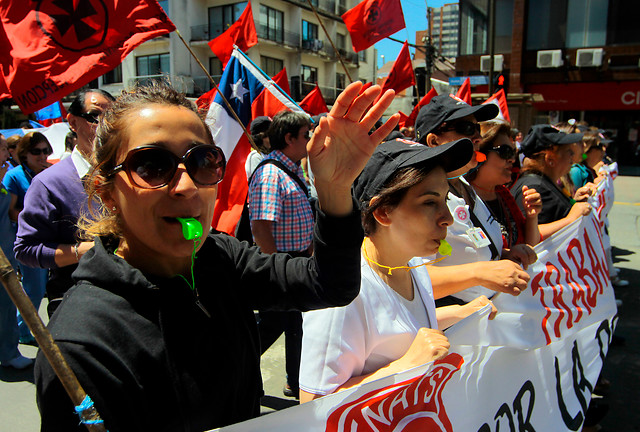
[(464, 250), (364, 336), (253, 160), (82, 165)]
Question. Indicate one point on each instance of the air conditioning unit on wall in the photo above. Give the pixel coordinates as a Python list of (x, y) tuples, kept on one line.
[(549, 59), (589, 57), (485, 63)]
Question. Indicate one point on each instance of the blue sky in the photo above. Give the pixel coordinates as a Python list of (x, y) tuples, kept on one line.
[(415, 17)]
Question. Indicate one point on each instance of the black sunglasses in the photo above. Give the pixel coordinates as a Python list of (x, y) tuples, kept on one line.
[(38, 151), (152, 167), (90, 117), (504, 151), (463, 127)]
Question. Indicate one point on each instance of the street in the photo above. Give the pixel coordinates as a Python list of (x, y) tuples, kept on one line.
[(622, 368)]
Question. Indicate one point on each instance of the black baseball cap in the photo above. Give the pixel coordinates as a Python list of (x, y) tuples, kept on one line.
[(544, 136), (391, 156), (449, 107), (259, 124)]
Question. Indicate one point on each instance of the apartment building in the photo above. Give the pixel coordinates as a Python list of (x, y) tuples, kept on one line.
[(444, 29), (289, 36)]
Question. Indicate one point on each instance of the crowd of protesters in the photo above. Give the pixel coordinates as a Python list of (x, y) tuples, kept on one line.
[(425, 227)]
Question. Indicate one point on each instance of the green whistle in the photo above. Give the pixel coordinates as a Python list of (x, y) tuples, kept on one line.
[(445, 248), (191, 228)]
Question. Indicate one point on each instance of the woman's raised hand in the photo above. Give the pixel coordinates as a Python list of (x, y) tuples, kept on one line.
[(341, 144)]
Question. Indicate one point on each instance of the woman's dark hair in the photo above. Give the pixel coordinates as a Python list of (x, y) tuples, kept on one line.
[(110, 137), (590, 140), (68, 141), (283, 123), (29, 141), (490, 130), (391, 194), (78, 108)]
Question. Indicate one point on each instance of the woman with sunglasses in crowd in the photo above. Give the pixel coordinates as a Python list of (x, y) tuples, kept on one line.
[(32, 151), (160, 329), (478, 263), (392, 325), (489, 181), (549, 155)]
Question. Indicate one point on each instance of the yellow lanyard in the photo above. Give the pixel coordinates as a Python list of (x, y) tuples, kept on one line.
[(444, 249)]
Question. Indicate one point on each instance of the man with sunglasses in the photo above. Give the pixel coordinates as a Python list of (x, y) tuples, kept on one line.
[(476, 265), (54, 202), (282, 221)]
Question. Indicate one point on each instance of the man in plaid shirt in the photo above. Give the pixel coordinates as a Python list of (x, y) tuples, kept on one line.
[(282, 221)]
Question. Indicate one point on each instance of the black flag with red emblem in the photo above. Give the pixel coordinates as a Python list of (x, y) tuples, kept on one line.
[(49, 48)]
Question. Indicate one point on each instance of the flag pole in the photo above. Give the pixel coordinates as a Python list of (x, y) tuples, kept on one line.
[(230, 108), (313, 8), (84, 406)]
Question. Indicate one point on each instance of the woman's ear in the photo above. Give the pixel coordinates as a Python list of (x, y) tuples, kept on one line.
[(432, 140), (381, 215), (104, 193)]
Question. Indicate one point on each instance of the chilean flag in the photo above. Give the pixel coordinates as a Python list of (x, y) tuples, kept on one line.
[(243, 84)]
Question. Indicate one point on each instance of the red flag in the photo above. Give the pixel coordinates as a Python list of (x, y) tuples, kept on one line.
[(403, 119), (401, 75), (314, 103), (204, 101), (267, 105), (50, 48), (373, 20), (411, 120), (364, 87), (464, 92), (241, 33), (500, 99), (282, 80)]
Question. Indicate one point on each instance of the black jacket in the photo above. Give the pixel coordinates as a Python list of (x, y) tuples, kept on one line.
[(151, 359)]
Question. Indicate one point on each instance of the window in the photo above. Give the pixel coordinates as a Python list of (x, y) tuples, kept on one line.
[(271, 66), (341, 41), (309, 74), (568, 23), (474, 26), (215, 67), (271, 25), (309, 30), (362, 56), (221, 17), (157, 64), (341, 80), (622, 24), (113, 76)]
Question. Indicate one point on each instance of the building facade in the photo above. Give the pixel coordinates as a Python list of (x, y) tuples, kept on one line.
[(444, 25), (289, 36), (577, 59)]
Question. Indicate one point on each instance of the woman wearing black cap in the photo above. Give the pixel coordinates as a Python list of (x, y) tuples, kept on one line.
[(548, 156), (392, 325)]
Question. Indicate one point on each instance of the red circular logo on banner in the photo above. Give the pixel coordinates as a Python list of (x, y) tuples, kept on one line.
[(75, 25)]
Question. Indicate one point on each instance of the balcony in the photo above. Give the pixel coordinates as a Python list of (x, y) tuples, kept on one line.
[(327, 6), (290, 39), (203, 33)]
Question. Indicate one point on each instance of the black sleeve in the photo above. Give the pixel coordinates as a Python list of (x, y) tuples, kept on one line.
[(331, 277)]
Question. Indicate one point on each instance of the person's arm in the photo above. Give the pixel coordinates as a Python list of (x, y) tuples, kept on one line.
[(450, 315), (262, 231), (68, 254), (532, 203), (577, 210), (14, 211), (428, 345), (501, 276), (341, 144)]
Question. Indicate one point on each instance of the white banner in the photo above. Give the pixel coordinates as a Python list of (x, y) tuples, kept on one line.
[(532, 368), (602, 200)]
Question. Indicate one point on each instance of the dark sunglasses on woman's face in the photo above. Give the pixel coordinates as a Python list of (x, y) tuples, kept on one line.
[(504, 151), (463, 127), (152, 167), (38, 151), (90, 117)]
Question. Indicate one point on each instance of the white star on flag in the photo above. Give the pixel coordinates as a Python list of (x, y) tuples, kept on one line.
[(238, 90)]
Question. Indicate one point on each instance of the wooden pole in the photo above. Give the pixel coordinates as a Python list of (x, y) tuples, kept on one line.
[(48, 346), (231, 110), (313, 8)]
